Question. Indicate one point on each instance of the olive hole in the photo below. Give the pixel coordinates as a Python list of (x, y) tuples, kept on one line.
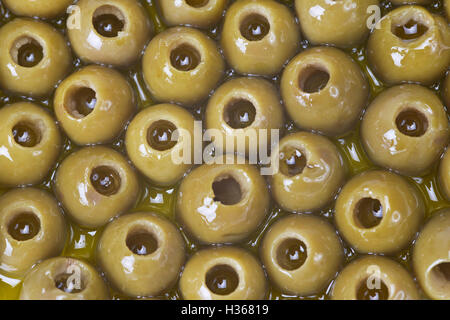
[(291, 254), (69, 283), (108, 21), (222, 279), (442, 271), (81, 101), (24, 226), (372, 289), (411, 30), (27, 52), (26, 134), (240, 114), (141, 242), (313, 79), (197, 3), (368, 213), (227, 191), (185, 57), (293, 162), (160, 135), (412, 122), (105, 180), (255, 27)]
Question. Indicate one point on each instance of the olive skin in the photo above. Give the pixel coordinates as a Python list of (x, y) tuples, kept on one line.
[(222, 203), (96, 184), (444, 173), (41, 282), (34, 57), (31, 143), (324, 90), (251, 281), (275, 34), (101, 115), (184, 84), (400, 124), (397, 58), (447, 8), (32, 228), (122, 31), (370, 271), (157, 162), (323, 249), (38, 8), (182, 13), (397, 206), (313, 186), (430, 256), (335, 22), (265, 108), (144, 273), (446, 91)]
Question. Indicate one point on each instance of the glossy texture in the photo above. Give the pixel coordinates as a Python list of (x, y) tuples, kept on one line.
[(130, 260), (187, 12), (396, 140), (220, 203), (96, 184), (255, 26), (30, 143), (166, 82), (242, 106), (316, 182), (397, 57), (402, 210), (44, 282), (340, 23), (155, 157), (324, 254), (109, 32), (367, 278), (227, 265), (38, 8), (332, 104), (94, 104), (430, 256), (32, 228), (444, 173), (24, 41)]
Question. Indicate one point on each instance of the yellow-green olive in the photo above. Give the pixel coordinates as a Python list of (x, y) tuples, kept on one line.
[(340, 23), (431, 258), (259, 36), (444, 173), (410, 44), (311, 171), (64, 279), (222, 203), (141, 254), (32, 228), (30, 143), (302, 254), (156, 141), (34, 57), (96, 184), (324, 90), (374, 278), (182, 65), (197, 13), (109, 31), (223, 273), (38, 8), (94, 104), (378, 212), (405, 129), (241, 109)]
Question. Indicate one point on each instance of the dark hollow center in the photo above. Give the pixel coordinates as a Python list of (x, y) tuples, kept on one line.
[(24, 226), (255, 27), (222, 280), (105, 180), (240, 114), (159, 135), (412, 123), (227, 191), (369, 212), (291, 254)]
